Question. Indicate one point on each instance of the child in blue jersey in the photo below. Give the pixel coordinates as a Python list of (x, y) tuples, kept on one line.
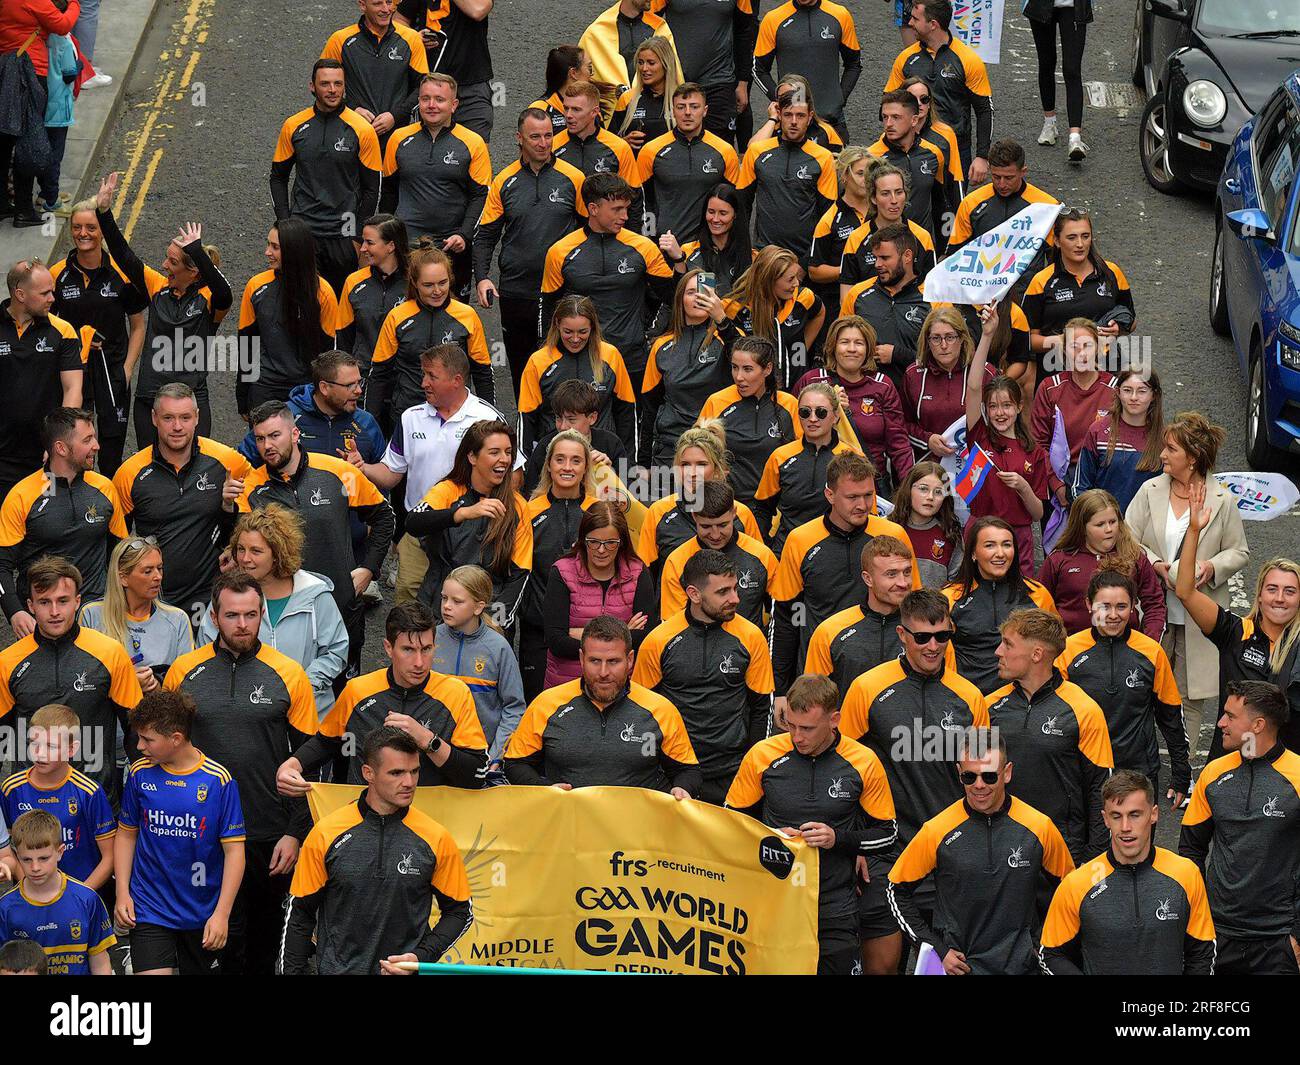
[(179, 852), (65, 917), (53, 785)]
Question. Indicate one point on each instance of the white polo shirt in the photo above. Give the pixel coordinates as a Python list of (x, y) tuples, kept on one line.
[(424, 446)]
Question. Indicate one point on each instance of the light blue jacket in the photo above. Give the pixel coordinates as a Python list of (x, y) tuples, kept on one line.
[(485, 661), (59, 99), (311, 632)]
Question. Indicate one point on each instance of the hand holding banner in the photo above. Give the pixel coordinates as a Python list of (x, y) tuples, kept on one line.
[(984, 270)]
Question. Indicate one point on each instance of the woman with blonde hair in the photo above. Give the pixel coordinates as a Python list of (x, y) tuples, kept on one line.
[(700, 455), (934, 387), (1260, 646), (575, 349), (154, 633), (867, 398), (645, 111), (794, 477), (1097, 537), (687, 364), (299, 616), (564, 492), (768, 301), (853, 167), (1160, 517), (470, 646)]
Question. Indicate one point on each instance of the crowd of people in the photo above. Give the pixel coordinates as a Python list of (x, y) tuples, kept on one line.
[(714, 551)]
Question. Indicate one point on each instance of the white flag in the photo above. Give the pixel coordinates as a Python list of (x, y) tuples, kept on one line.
[(984, 270), (979, 24), (1260, 496)]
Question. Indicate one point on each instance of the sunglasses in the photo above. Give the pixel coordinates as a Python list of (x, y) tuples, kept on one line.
[(990, 778), (814, 412), (921, 99), (941, 636), (137, 542)]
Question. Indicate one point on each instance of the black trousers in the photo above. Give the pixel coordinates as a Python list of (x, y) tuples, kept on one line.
[(474, 109), (142, 418), (1270, 956), (532, 660), (257, 918), (1074, 36), (838, 960), (721, 119), (521, 332), (336, 258), (259, 393)]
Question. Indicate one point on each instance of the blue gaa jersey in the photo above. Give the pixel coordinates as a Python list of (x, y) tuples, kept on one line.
[(81, 807), (182, 819), (70, 928)]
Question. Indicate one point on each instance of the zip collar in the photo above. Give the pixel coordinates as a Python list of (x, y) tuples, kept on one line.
[(1145, 863), (369, 813), (1049, 687), (221, 651), (623, 694), (57, 642), (394, 686), (1001, 811)]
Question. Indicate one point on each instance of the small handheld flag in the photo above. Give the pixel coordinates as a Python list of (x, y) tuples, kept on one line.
[(971, 478)]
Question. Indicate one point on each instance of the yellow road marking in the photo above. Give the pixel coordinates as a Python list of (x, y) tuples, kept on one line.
[(144, 191)]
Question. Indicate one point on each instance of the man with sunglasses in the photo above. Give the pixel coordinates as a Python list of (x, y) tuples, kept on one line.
[(1055, 731), (181, 490), (1136, 909), (934, 131), (995, 862), (908, 712), (814, 783)]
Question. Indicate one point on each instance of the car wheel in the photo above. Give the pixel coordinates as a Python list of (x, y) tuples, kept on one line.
[(1218, 298), (1259, 452), (1137, 74), (1154, 141)]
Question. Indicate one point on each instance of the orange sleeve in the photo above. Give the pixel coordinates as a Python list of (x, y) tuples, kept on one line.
[(855, 709), (530, 392), (1094, 736), (766, 42), (1056, 855), (283, 145), (302, 702), (361, 490), (1200, 923), (677, 745), (818, 659), (647, 670), (522, 555), (553, 271), (449, 875), (309, 874), (390, 155), (1062, 923), (1166, 688), (371, 159), (247, 316), (747, 788), (758, 677), (622, 382), (480, 163), (493, 208), (876, 798), (478, 348), (896, 76), (977, 75), (917, 860), (386, 342), (117, 523), (124, 685), (468, 733), (788, 583), (746, 176), (527, 737), (750, 524), (770, 483), (672, 596), (651, 378)]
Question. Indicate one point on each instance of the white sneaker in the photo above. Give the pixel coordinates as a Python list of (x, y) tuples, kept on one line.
[(98, 80), (1077, 148), (1048, 134)]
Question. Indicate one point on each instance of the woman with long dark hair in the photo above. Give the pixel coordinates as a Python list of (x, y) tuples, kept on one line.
[(687, 364), (91, 293), (1097, 537), (990, 587), (1121, 451), (602, 575), (924, 507), (375, 289), (564, 63), (723, 248), (188, 299), (1077, 283), (475, 518), (287, 313), (1017, 487), (768, 301), (757, 416), (645, 111), (574, 349), (395, 371)]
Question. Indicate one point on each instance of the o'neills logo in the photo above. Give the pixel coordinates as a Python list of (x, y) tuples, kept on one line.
[(775, 856)]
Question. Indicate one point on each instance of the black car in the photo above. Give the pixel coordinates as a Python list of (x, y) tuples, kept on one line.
[(1207, 66)]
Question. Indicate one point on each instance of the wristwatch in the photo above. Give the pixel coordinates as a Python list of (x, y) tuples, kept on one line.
[(434, 744)]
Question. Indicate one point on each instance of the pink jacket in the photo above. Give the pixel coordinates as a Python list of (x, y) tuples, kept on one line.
[(587, 600)]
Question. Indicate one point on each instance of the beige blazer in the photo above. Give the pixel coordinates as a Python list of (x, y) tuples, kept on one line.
[(1223, 543)]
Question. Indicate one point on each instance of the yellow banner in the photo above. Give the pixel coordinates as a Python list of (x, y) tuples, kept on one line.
[(623, 880)]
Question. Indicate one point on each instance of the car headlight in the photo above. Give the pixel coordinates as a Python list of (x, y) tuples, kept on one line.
[(1205, 103), (1289, 331)]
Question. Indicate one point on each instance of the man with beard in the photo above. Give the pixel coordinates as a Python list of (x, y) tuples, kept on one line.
[(336, 154), (892, 301), (325, 491), (716, 530), (929, 199), (713, 665), (182, 492), (256, 707), (562, 739), (65, 509)]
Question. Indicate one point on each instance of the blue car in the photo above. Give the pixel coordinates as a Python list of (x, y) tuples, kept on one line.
[(1255, 278)]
